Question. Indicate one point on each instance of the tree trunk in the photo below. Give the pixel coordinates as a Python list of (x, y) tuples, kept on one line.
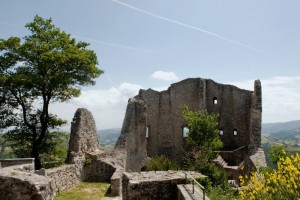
[(35, 155)]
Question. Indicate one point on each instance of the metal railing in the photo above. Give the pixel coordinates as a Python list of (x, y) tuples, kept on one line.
[(187, 176)]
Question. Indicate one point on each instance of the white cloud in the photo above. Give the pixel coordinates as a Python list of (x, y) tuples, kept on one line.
[(165, 76), (107, 106), (280, 97)]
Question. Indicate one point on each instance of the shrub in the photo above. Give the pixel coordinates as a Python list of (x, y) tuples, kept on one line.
[(283, 183), (162, 163)]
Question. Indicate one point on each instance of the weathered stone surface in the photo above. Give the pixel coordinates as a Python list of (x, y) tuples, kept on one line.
[(62, 178), (97, 170), (132, 141), (259, 159), (83, 137), (158, 185), (18, 185)]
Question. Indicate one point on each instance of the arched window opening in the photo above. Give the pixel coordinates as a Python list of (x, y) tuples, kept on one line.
[(235, 132), (215, 100), (148, 131), (221, 131), (185, 132)]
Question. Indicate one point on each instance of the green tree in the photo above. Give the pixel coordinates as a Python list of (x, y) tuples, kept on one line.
[(276, 152), (202, 142), (46, 66), (203, 132)]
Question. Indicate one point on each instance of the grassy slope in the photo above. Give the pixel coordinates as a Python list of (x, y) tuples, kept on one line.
[(85, 191)]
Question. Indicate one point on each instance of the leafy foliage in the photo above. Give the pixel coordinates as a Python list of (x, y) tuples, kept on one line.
[(203, 130), (202, 142), (162, 163), (202, 139), (46, 66), (219, 193), (283, 183), (276, 152), (53, 149), (5, 151)]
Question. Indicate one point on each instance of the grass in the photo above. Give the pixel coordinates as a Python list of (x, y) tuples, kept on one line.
[(85, 191)]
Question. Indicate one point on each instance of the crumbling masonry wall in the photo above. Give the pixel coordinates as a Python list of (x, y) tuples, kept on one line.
[(133, 147), (239, 117)]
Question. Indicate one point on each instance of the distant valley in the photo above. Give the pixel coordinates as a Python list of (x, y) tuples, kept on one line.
[(286, 133), (108, 137)]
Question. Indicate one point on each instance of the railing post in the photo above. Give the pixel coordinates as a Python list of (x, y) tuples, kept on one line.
[(203, 195), (193, 185), (186, 181)]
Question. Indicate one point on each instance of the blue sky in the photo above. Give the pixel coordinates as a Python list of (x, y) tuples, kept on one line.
[(153, 43)]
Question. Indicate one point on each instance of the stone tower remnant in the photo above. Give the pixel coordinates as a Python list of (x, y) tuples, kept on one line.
[(159, 128), (83, 137), (134, 147)]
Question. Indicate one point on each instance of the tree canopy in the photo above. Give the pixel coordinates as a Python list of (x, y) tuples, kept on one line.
[(203, 130), (43, 67)]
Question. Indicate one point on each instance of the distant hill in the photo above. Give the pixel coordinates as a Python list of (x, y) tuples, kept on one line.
[(287, 133), (284, 133), (270, 128), (108, 137)]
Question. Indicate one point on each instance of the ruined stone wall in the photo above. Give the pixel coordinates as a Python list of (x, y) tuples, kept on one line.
[(234, 109), (256, 112), (164, 115), (235, 157), (239, 117), (62, 178), (21, 182), (86, 162), (97, 170), (132, 141), (165, 120), (83, 137), (19, 185), (160, 185)]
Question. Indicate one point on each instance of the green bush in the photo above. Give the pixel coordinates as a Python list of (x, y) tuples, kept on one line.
[(162, 163)]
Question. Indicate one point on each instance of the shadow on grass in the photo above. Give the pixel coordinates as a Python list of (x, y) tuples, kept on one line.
[(108, 192)]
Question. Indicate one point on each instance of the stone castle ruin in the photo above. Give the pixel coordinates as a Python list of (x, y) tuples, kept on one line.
[(153, 125)]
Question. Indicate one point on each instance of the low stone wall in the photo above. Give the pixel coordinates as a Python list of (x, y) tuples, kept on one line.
[(16, 161), (116, 183), (62, 178), (233, 172), (235, 157), (23, 168), (97, 170), (158, 185)]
